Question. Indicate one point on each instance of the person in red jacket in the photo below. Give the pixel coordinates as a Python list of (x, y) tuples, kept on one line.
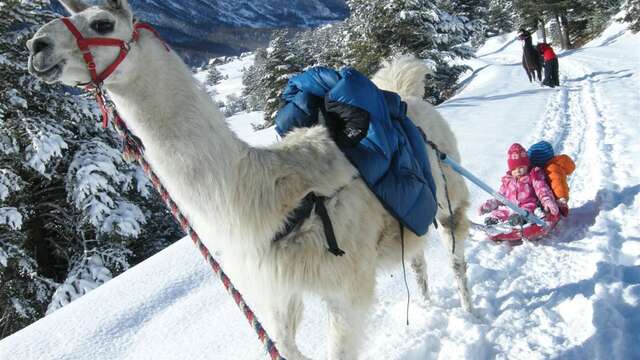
[(551, 77)]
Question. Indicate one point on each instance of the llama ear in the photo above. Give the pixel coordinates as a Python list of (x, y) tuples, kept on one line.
[(74, 6), (119, 5)]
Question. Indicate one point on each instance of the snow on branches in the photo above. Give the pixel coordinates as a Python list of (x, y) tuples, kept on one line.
[(71, 209), (11, 217), (95, 180), (86, 276)]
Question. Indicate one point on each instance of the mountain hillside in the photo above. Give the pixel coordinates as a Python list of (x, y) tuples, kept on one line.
[(229, 27)]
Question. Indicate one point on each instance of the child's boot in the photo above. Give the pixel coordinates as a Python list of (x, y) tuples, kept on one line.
[(490, 221), (517, 220)]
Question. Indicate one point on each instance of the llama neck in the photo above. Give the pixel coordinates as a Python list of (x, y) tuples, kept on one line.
[(162, 102), (186, 139)]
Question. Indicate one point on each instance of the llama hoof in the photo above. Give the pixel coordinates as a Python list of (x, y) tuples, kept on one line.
[(475, 313), (467, 307), (426, 298)]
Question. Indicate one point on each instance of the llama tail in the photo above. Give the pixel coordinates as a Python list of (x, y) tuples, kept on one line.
[(404, 75)]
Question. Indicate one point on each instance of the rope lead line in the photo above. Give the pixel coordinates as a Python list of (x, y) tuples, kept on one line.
[(133, 150), (531, 217)]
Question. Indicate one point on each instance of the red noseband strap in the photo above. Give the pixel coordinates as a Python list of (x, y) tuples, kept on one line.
[(97, 79), (84, 43)]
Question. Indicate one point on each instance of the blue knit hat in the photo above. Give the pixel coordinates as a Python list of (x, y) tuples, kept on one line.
[(540, 153)]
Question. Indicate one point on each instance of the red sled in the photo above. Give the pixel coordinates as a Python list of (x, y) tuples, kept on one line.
[(506, 232)]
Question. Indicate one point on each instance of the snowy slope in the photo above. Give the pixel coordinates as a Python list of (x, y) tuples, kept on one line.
[(232, 71), (575, 295)]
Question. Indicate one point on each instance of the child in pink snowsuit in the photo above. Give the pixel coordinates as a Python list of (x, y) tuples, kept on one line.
[(522, 185)]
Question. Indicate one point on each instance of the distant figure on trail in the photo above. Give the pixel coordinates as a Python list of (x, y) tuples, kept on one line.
[(551, 77), (530, 56), (523, 185)]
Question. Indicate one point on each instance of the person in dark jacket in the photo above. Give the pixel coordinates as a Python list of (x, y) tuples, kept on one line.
[(551, 77)]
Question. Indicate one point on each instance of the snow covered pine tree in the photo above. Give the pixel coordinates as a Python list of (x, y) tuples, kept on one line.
[(281, 64), (214, 76), (70, 207), (379, 29)]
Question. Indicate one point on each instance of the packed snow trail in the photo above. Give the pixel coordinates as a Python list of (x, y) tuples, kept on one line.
[(574, 295)]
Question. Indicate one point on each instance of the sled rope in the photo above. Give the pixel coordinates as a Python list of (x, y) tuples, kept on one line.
[(443, 157), (134, 150)]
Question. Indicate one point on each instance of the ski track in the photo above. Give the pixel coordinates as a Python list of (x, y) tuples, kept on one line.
[(520, 314)]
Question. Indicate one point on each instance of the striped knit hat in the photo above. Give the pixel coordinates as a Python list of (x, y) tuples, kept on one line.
[(540, 153)]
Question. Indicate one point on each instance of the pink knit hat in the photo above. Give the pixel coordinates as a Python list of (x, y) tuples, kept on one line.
[(517, 156)]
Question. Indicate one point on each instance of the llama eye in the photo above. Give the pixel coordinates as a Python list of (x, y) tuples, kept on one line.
[(102, 26)]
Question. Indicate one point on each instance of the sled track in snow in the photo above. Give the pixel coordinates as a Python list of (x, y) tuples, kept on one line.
[(579, 123)]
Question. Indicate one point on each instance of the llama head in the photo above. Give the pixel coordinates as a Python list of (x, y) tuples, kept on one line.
[(54, 55)]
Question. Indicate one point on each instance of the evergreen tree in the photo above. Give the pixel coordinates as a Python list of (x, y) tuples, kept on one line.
[(586, 19), (253, 89), (572, 21), (323, 46), (499, 17), (365, 44), (529, 15), (234, 104), (378, 30), (472, 12), (281, 64), (70, 207), (88, 274), (214, 76), (632, 8)]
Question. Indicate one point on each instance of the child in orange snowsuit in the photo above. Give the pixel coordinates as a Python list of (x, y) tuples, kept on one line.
[(557, 168)]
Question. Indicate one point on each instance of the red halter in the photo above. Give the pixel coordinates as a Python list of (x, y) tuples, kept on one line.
[(98, 79)]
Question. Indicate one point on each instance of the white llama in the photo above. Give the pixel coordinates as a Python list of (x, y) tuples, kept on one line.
[(237, 197)]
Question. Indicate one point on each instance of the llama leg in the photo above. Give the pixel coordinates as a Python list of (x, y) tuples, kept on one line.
[(285, 316), (460, 269), (347, 317), (456, 251), (419, 266)]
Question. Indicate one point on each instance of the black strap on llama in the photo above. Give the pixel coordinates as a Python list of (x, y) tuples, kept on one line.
[(302, 212)]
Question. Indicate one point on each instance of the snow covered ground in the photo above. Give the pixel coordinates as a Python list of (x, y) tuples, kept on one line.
[(232, 71), (575, 295)]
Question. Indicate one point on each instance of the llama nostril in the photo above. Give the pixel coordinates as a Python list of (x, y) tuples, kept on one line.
[(39, 45)]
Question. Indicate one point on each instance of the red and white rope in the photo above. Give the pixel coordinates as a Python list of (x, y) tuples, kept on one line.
[(133, 149)]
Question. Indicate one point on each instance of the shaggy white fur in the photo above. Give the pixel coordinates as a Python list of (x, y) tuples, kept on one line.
[(237, 197)]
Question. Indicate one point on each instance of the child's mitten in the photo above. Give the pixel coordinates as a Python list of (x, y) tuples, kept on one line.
[(563, 207), (550, 206), (488, 206)]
